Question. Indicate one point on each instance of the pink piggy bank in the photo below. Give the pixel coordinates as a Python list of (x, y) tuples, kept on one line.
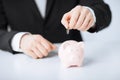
[(71, 53)]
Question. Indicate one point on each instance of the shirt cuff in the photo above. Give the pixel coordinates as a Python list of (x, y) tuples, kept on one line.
[(16, 41), (93, 13)]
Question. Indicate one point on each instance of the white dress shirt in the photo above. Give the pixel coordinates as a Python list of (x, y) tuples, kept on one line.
[(41, 4)]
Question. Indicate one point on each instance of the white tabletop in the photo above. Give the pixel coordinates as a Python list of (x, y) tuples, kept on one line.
[(101, 62)]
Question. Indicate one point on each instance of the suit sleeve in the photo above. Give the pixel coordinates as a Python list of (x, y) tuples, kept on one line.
[(5, 35), (102, 13)]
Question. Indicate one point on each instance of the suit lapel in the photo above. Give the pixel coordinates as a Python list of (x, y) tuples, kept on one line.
[(35, 10), (49, 6)]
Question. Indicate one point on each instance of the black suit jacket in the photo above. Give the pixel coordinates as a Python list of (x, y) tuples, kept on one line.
[(23, 15)]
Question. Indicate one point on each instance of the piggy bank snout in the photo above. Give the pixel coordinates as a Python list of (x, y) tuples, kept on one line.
[(73, 61)]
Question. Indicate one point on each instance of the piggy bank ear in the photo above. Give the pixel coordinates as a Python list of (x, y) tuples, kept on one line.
[(81, 44)]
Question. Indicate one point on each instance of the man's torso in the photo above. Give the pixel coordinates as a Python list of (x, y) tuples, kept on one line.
[(23, 15)]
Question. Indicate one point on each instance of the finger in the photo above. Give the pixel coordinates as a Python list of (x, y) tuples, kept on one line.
[(85, 23), (47, 45), (42, 49), (50, 46), (53, 46), (65, 20), (31, 54), (90, 24), (74, 19), (42, 41), (37, 52), (80, 20)]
